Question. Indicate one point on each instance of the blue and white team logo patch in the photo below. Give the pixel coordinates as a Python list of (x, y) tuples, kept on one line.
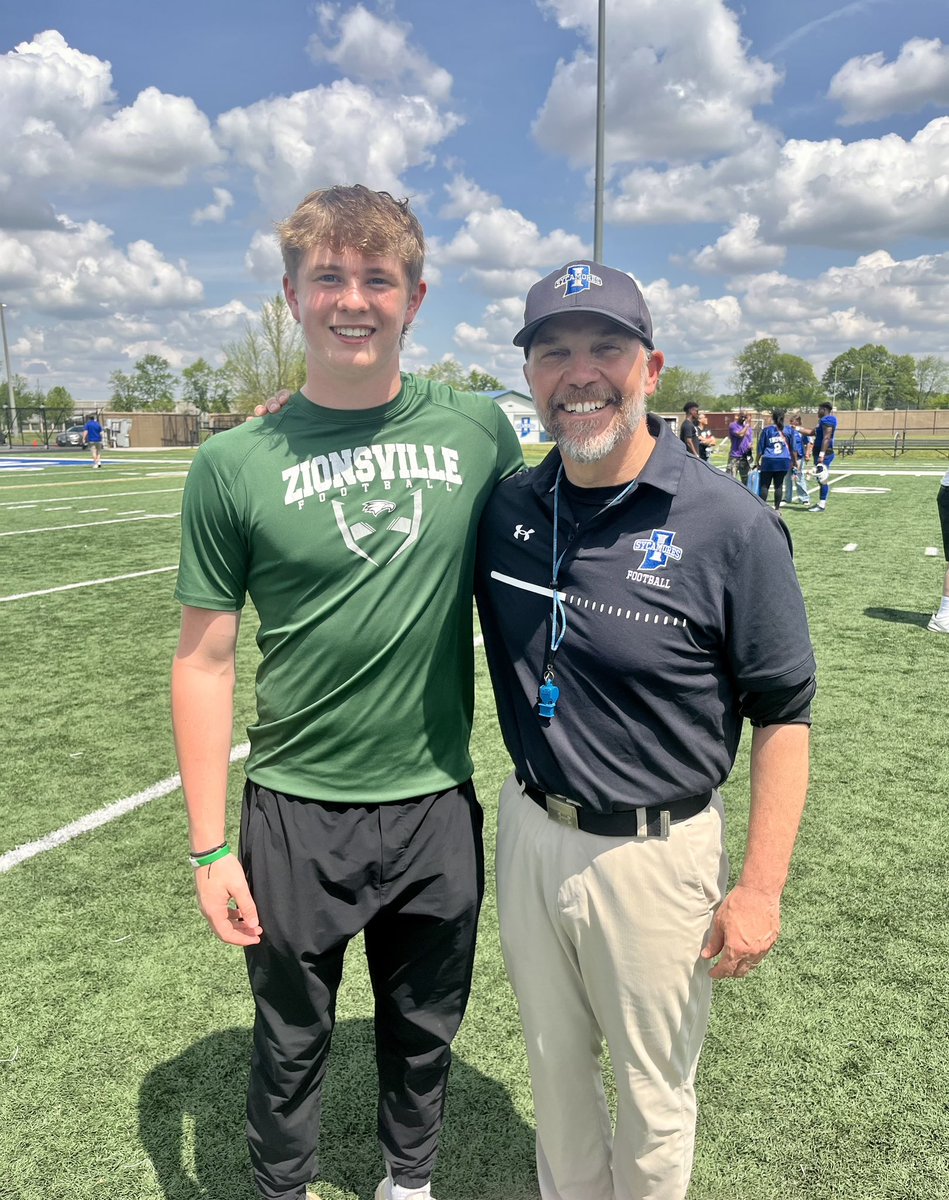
[(658, 549), (578, 278)]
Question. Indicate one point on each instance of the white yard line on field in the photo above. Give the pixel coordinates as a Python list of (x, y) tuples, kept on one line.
[(90, 524), (78, 499), (69, 587), (102, 816)]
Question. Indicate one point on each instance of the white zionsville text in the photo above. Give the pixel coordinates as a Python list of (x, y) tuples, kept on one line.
[(388, 462)]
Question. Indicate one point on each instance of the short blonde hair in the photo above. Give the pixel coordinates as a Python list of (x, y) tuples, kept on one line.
[(354, 218)]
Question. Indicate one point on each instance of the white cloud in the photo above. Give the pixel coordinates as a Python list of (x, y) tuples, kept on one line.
[(343, 133), (58, 126), (869, 87), (216, 211), (901, 304), (376, 52), (499, 247), (740, 251), (263, 259), (827, 193), (75, 270), (679, 83)]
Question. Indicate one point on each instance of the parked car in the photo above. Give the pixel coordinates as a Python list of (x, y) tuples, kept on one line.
[(71, 436)]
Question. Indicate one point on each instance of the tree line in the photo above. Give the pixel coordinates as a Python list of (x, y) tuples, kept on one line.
[(270, 356), (862, 377)]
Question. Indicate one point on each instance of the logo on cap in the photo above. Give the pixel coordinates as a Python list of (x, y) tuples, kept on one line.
[(578, 278)]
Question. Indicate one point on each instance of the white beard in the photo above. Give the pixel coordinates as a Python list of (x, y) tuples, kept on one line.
[(628, 413)]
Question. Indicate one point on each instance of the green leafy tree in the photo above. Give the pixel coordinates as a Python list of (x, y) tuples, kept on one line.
[(154, 383), (449, 371), (150, 386), (796, 383), (679, 386), (481, 381), (268, 357), (932, 380), (871, 377), (60, 405), (726, 402), (123, 397), (756, 371), (26, 399), (205, 388)]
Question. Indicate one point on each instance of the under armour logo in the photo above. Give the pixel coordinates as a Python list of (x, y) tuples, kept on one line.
[(521, 532)]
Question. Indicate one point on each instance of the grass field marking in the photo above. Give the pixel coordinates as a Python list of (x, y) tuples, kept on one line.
[(91, 524), (850, 546), (69, 587), (931, 552), (11, 504), (82, 511), (102, 816), (132, 512)]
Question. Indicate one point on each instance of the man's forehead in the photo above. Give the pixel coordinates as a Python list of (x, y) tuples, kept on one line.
[(580, 324)]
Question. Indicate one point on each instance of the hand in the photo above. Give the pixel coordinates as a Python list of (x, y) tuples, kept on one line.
[(744, 929), (219, 884), (274, 404)]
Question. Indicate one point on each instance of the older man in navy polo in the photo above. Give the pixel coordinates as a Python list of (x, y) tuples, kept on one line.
[(630, 635)]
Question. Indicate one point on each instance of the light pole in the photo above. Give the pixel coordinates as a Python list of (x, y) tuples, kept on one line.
[(600, 132), (6, 358)]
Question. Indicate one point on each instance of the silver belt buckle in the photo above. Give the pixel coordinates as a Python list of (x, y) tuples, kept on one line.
[(561, 811)]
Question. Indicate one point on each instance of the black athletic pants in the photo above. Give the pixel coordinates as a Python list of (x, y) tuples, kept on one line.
[(409, 875), (765, 480)]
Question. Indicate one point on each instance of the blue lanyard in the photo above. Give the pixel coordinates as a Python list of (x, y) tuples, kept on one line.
[(548, 692)]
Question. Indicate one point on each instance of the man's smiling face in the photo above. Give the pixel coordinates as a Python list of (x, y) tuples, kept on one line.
[(353, 308), (589, 379)]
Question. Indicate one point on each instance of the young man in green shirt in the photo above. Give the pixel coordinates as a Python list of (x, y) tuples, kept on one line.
[(350, 519)]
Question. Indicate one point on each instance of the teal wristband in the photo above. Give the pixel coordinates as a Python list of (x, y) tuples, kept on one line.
[(210, 856)]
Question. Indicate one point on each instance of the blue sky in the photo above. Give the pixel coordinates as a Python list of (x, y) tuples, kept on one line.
[(774, 170)]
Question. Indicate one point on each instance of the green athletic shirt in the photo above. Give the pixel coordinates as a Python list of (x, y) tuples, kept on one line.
[(353, 533)]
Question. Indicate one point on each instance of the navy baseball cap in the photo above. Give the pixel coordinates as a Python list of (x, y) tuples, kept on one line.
[(586, 287)]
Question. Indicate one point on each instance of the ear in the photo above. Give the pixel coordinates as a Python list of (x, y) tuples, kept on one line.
[(290, 294), (415, 302), (656, 362)]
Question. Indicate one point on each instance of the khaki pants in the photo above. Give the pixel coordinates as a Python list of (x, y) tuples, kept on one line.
[(601, 939)]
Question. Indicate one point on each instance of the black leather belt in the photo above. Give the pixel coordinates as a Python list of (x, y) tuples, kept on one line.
[(652, 821)]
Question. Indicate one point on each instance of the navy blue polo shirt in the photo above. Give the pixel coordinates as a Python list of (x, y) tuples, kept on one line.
[(680, 601)]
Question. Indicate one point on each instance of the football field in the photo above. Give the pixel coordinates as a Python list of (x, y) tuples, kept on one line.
[(125, 1027)]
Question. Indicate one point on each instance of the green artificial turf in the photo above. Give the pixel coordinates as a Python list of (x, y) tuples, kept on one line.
[(124, 1026)]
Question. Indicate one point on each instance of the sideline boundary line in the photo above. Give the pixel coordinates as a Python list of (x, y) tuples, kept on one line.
[(102, 816), (68, 587), (112, 496), (90, 524)]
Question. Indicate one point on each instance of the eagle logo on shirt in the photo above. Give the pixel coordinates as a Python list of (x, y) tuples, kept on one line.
[(406, 528), (376, 508)]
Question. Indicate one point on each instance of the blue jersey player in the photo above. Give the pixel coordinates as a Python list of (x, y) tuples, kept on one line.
[(823, 433)]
